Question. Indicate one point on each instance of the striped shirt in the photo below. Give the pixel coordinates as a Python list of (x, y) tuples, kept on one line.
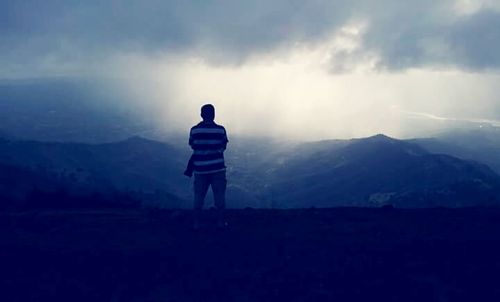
[(208, 141)]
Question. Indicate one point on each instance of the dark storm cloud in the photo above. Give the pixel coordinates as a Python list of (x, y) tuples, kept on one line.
[(401, 34), (431, 36), (236, 28), (477, 40)]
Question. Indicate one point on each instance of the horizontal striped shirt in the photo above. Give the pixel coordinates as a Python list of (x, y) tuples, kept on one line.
[(208, 141)]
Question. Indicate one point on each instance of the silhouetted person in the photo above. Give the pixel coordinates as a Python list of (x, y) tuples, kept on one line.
[(208, 141)]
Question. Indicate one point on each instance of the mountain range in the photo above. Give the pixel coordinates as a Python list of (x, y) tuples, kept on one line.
[(379, 170), (373, 171), (141, 167), (76, 140), (481, 144)]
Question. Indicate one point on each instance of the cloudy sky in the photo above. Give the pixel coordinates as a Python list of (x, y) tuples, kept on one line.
[(304, 69)]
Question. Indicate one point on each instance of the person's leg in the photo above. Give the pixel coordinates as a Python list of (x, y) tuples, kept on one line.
[(219, 184), (200, 187)]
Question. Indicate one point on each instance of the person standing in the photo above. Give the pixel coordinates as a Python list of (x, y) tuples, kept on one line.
[(208, 141)]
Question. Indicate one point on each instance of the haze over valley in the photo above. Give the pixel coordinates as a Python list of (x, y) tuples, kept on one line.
[(83, 145)]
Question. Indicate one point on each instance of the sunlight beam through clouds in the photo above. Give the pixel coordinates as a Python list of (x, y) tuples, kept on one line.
[(293, 93)]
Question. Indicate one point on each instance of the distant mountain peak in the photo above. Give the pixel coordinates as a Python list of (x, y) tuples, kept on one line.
[(375, 140), (380, 137)]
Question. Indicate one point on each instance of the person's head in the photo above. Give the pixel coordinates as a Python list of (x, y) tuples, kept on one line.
[(208, 112)]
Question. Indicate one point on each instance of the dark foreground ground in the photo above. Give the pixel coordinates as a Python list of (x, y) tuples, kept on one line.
[(345, 254)]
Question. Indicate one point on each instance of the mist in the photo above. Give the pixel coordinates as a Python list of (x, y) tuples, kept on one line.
[(292, 96)]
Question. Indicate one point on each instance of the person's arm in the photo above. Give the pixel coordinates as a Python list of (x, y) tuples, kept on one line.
[(224, 141), (191, 138), (190, 167)]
